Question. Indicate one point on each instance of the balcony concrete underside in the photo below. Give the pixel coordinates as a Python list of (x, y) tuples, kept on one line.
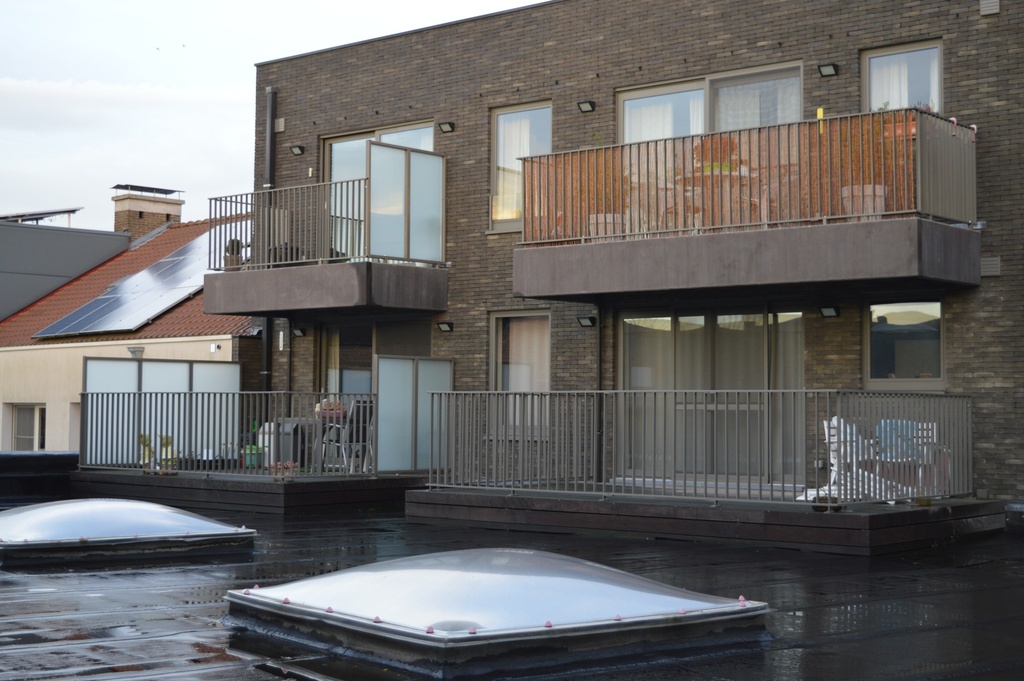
[(286, 291), (906, 249)]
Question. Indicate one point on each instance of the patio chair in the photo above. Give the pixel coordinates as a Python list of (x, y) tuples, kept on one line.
[(357, 445), (853, 474), (333, 444)]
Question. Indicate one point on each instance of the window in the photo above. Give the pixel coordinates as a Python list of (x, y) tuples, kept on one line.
[(726, 351), (758, 99), (904, 77), (522, 355), (905, 346), (346, 157), (29, 427), (519, 132), (347, 358), (661, 113), (729, 101)]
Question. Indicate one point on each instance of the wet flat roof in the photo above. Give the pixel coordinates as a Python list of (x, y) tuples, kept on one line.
[(943, 612)]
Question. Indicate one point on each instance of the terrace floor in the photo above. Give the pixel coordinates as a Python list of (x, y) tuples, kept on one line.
[(943, 612)]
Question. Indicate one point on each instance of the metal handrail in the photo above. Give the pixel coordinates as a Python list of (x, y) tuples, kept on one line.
[(769, 445)]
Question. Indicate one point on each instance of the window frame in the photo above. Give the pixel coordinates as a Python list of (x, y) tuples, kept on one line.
[(38, 436), (494, 369), (936, 384), (510, 224), (710, 322), (680, 87), (865, 69), (708, 84), (372, 136)]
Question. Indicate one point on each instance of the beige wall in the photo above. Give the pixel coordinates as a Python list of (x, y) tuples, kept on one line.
[(52, 375)]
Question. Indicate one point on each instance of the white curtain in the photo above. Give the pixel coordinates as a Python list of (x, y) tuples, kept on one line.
[(751, 105), (648, 119), (696, 116), (889, 87), (528, 368), (513, 143)]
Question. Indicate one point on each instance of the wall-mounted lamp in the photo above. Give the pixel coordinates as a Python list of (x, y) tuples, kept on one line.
[(828, 70), (446, 326), (829, 311), (587, 321), (298, 149), (136, 351), (586, 106), (446, 126), (299, 333)]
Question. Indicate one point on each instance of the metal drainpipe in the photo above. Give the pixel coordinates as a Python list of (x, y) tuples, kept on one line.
[(268, 346), (268, 151)]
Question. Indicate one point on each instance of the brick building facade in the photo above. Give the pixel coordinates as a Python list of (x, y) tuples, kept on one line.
[(559, 54)]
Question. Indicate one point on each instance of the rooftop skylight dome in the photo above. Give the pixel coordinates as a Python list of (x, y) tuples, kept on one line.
[(461, 613), (98, 529)]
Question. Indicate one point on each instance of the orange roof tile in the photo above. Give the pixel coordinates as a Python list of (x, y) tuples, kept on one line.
[(183, 320)]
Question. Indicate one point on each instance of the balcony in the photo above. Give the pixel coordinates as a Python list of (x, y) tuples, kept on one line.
[(881, 197), (802, 447), (370, 244)]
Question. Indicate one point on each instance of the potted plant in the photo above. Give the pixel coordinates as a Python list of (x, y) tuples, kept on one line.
[(168, 457), (147, 452)]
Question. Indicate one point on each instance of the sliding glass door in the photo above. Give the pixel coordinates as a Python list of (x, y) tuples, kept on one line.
[(719, 422)]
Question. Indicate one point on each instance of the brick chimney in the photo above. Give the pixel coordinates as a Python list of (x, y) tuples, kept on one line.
[(142, 209)]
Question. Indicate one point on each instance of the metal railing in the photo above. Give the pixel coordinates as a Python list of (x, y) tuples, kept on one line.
[(286, 435), (768, 446), (868, 166), (396, 214)]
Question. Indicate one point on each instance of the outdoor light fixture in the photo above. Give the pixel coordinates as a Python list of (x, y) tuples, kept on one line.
[(298, 149), (830, 311), (586, 106), (136, 351), (827, 70), (587, 321), (446, 326), (299, 332), (446, 126)]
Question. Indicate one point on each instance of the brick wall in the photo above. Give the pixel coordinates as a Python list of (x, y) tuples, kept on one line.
[(571, 50)]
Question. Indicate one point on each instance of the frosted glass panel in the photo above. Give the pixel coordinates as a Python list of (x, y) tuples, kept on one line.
[(387, 201), (425, 206), (216, 377), (111, 375), (165, 377), (432, 376), (394, 421)]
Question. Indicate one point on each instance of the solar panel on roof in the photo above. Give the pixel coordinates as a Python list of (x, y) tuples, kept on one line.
[(141, 297)]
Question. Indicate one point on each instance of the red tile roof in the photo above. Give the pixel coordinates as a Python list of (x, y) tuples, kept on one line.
[(183, 320)]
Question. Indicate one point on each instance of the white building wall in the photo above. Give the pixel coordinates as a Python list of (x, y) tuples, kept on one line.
[(51, 375)]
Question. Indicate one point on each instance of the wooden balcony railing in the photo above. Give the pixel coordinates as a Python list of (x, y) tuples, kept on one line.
[(868, 166)]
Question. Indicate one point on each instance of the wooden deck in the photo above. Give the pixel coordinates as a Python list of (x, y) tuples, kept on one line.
[(869, 530), (866, 530), (250, 493)]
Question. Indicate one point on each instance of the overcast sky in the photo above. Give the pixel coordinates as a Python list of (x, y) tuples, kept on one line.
[(95, 93)]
